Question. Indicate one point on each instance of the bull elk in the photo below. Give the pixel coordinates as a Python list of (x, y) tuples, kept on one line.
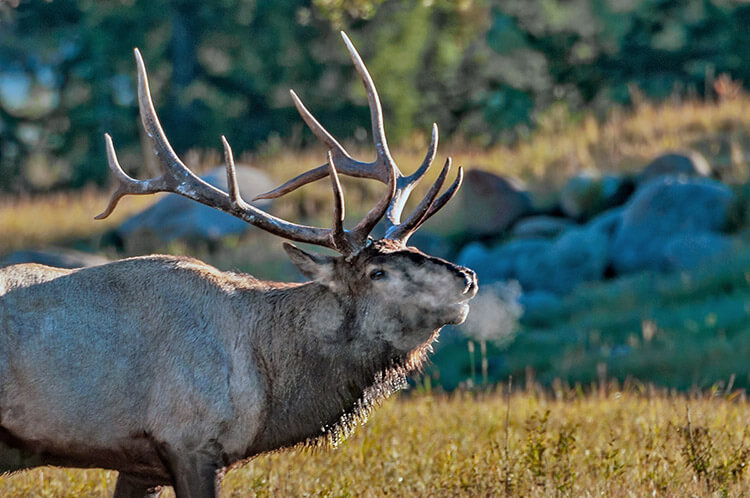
[(170, 371)]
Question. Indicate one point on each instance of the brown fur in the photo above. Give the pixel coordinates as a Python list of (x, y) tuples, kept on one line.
[(167, 369)]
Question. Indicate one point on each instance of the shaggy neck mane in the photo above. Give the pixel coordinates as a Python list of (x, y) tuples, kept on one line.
[(317, 398), (369, 395)]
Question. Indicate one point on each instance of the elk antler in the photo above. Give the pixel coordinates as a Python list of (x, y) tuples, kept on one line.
[(381, 168), (177, 178)]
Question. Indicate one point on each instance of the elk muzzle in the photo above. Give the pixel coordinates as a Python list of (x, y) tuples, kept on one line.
[(467, 288), (471, 286)]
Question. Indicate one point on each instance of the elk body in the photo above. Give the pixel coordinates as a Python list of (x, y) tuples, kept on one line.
[(170, 371)]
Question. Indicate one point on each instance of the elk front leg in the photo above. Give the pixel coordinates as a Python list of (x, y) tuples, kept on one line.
[(131, 487), (194, 475)]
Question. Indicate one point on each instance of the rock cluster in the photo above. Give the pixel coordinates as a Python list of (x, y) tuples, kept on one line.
[(670, 217)]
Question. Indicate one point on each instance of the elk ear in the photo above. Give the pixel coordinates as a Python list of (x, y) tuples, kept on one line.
[(313, 266)]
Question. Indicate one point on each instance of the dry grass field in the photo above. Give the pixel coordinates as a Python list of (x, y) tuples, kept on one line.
[(623, 442)]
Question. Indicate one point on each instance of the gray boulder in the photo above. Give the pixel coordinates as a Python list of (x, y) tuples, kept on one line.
[(175, 217), (57, 257), (589, 193), (492, 265), (474, 255), (664, 211), (607, 222), (688, 250), (606, 225), (685, 163), (557, 266), (540, 227), (507, 261), (577, 256), (492, 203), (486, 205)]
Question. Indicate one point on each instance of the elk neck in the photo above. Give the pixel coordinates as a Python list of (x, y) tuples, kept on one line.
[(321, 372)]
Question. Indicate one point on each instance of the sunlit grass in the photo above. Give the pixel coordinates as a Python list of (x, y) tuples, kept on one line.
[(39, 220), (626, 140), (617, 442)]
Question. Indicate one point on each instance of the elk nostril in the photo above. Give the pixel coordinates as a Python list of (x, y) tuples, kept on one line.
[(470, 282)]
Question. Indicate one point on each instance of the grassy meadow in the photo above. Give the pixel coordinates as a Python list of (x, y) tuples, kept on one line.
[(600, 440), (635, 441)]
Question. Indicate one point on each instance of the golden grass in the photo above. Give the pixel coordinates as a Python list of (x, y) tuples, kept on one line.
[(619, 444), (625, 140), (39, 220)]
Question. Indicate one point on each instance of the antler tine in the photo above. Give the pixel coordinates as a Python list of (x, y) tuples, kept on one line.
[(318, 129), (405, 184), (428, 158), (298, 181), (233, 188), (446, 197), (376, 111), (396, 232), (338, 234), (429, 205), (125, 184), (174, 170)]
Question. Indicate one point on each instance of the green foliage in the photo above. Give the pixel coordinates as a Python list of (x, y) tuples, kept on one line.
[(484, 70), (548, 456), (338, 10), (563, 471), (610, 462)]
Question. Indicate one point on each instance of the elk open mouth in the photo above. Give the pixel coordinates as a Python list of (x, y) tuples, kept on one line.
[(460, 314)]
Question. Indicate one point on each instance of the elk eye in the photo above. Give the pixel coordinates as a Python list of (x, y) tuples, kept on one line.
[(377, 274)]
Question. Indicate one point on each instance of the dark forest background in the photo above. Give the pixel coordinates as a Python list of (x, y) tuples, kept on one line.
[(484, 70)]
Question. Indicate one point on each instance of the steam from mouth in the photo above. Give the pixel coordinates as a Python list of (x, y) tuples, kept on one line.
[(495, 313)]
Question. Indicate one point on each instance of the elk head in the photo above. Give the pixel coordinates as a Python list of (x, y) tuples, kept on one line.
[(407, 292)]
